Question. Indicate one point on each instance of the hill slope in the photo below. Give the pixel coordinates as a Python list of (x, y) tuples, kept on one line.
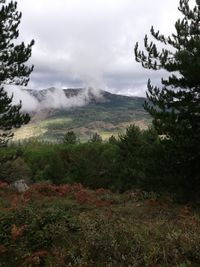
[(88, 112)]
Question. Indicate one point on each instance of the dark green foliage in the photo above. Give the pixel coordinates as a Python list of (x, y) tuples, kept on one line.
[(70, 138), (112, 140), (139, 158), (12, 56), (15, 170), (43, 228), (10, 117), (136, 159), (92, 164), (13, 69), (175, 107), (55, 170), (96, 138), (40, 159)]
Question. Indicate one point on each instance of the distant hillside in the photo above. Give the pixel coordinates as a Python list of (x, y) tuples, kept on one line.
[(103, 112)]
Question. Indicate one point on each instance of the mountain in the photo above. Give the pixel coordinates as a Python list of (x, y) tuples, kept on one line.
[(84, 111)]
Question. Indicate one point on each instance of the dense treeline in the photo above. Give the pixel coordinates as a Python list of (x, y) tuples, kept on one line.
[(164, 158), (137, 159)]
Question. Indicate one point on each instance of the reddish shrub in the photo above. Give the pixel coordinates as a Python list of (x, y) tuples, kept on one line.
[(2, 249), (3, 185), (16, 231), (35, 258)]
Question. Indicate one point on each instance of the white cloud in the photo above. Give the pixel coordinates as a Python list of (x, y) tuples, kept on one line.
[(29, 103), (91, 42), (53, 98)]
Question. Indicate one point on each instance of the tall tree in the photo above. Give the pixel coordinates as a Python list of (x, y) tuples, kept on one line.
[(175, 107), (70, 138), (12, 69)]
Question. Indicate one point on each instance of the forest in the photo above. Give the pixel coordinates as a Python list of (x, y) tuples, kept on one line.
[(132, 200)]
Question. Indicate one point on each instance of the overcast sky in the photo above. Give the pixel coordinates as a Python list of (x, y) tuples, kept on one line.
[(91, 42)]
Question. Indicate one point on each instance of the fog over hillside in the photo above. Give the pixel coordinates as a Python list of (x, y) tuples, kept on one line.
[(84, 111), (55, 98), (35, 100)]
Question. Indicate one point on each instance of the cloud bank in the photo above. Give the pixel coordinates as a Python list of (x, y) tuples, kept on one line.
[(90, 43), (54, 98)]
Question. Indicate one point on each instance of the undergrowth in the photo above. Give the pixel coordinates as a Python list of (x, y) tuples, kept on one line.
[(70, 225)]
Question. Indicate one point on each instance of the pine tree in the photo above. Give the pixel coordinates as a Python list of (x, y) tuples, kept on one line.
[(12, 69), (70, 138), (175, 107), (95, 138)]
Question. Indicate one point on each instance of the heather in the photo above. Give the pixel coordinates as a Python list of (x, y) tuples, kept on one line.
[(70, 225)]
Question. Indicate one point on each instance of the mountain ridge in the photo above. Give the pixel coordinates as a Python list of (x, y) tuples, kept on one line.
[(94, 95), (99, 111)]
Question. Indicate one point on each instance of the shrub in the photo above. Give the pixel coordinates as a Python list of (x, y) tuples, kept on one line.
[(14, 170), (96, 138), (141, 159), (70, 138), (31, 231)]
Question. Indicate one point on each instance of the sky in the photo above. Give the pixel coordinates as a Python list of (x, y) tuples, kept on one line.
[(82, 43)]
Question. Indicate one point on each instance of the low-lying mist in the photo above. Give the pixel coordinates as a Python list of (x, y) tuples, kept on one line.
[(38, 100)]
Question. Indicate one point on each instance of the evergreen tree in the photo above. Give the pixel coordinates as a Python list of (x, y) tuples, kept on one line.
[(112, 140), (96, 138), (175, 107), (12, 69), (70, 138)]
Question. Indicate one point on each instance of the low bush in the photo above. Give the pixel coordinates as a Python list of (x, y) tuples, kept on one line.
[(69, 225), (13, 170)]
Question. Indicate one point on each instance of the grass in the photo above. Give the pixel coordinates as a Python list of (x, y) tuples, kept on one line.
[(55, 122), (46, 127), (70, 225)]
